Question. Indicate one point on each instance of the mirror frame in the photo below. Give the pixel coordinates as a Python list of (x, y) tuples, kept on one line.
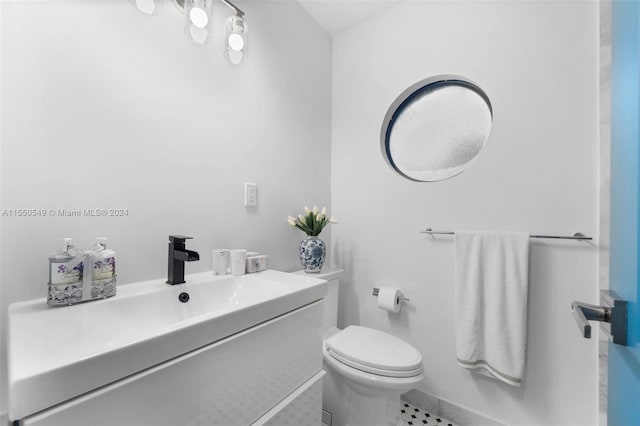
[(406, 97)]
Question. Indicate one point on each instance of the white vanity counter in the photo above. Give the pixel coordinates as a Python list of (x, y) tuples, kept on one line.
[(59, 353)]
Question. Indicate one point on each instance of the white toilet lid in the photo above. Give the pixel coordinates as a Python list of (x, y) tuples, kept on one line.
[(375, 351)]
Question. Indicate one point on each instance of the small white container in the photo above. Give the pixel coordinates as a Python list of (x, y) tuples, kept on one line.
[(237, 258), (220, 261)]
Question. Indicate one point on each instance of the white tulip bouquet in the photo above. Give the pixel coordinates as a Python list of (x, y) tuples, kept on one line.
[(312, 222)]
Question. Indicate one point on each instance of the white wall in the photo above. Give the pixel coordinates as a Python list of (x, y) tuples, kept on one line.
[(104, 107), (538, 62)]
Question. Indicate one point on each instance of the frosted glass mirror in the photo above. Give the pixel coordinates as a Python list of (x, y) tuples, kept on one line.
[(436, 128)]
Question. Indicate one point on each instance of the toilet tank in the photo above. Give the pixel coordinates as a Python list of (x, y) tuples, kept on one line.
[(332, 275)]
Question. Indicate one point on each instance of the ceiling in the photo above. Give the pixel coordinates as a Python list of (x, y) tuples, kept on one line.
[(336, 16)]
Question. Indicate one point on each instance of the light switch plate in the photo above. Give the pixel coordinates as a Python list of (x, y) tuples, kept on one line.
[(250, 195)]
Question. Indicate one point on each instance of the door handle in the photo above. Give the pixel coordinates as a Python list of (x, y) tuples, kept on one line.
[(613, 312), (583, 312)]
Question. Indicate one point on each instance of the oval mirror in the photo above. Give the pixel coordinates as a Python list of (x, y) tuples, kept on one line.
[(435, 128)]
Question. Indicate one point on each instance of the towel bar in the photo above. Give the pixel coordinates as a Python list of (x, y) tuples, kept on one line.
[(577, 236)]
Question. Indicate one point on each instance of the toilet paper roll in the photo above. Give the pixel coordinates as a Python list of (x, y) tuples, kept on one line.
[(389, 299)]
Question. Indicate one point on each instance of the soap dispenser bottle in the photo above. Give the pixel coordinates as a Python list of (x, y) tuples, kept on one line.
[(65, 275), (103, 270), (58, 259)]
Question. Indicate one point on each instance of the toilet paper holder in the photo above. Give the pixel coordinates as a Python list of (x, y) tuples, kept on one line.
[(376, 291)]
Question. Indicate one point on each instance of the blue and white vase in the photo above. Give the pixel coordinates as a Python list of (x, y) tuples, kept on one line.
[(312, 253)]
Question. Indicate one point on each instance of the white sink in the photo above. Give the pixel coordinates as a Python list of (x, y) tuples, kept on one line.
[(57, 353)]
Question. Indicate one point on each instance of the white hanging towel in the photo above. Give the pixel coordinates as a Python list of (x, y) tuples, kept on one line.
[(491, 302)]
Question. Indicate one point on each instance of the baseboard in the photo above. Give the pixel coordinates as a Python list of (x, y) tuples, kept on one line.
[(457, 414), (326, 418), (422, 400), (4, 419)]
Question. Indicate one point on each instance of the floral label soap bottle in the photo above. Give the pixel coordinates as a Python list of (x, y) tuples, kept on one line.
[(81, 275), (66, 271), (103, 270)]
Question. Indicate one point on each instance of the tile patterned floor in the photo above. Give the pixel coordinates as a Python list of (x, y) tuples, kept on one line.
[(410, 415)]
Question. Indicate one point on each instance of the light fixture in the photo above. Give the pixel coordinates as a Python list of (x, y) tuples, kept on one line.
[(198, 16), (148, 7), (236, 30)]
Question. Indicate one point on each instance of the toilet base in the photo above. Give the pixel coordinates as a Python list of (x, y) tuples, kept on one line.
[(350, 408), (370, 411)]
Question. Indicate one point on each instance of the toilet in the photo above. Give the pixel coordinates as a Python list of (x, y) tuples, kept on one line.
[(367, 369)]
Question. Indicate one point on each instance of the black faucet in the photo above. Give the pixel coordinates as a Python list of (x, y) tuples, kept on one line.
[(178, 254)]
